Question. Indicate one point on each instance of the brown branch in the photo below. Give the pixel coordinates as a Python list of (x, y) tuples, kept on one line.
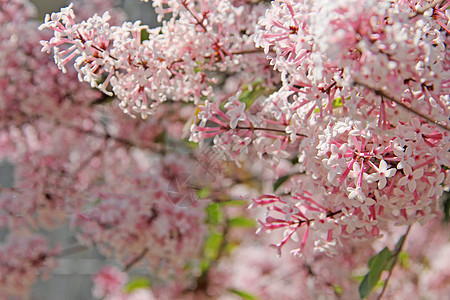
[(396, 254), (267, 129), (329, 215), (399, 103), (86, 162), (136, 259), (199, 22), (107, 136), (250, 51)]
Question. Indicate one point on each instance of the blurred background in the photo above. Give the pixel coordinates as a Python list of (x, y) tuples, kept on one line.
[(135, 9), (72, 280)]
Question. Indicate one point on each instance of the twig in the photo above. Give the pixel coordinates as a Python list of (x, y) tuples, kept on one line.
[(249, 51), (399, 103), (267, 129), (86, 162), (396, 254), (136, 259), (104, 135), (199, 22)]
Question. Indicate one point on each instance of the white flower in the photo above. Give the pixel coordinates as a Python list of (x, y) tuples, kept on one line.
[(405, 155), (235, 113), (276, 150), (410, 178), (382, 174), (337, 155), (363, 201), (436, 187)]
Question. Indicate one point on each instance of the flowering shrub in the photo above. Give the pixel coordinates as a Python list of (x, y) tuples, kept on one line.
[(332, 116)]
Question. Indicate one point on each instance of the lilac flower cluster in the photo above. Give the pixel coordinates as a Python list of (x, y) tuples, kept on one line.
[(362, 102), (336, 114)]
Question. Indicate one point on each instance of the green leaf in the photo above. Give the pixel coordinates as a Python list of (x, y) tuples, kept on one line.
[(358, 278), (397, 248), (446, 206), (204, 192), (377, 264), (212, 245), (234, 203), (294, 160), (144, 35), (137, 283), (213, 213), (251, 92), (210, 250), (338, 290), (280, 182), (336, 103), (204, 265), (160, 138), (403, 259), (249, 97), (241, 222), (243, 294), (230, 246)]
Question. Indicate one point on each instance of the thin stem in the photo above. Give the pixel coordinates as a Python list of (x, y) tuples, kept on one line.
[(399, 103), (250, 51), (268, 129), (241, 52), (83, 40), (328, 89), (86, 162), (329, 215), (396, 254), (195, 17), (107, 136), (136, 259)]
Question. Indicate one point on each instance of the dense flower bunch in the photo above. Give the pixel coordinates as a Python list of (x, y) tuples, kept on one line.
[(356, 76), (171, 63), (79, 162), (20, 257), (142, 218), (363, 99), (21, 63), (355, 80), (336, 114)]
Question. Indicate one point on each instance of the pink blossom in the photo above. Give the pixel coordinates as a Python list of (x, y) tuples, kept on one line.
[(383, 173), (410, 177), (108, 281), (334, 113)]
